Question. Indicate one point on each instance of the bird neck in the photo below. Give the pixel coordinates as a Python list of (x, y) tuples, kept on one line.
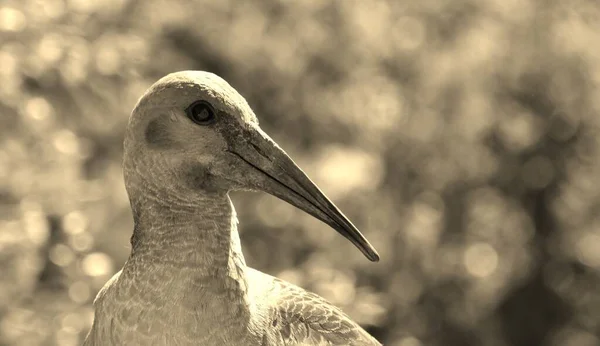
[(187, 243)]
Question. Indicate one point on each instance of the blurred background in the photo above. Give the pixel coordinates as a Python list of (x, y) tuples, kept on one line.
[(462, 137)]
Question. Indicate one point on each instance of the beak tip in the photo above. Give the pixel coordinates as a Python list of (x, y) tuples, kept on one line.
[(372, 255)]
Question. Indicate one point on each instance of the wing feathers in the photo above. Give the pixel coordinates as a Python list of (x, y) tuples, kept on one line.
[(304, 318)]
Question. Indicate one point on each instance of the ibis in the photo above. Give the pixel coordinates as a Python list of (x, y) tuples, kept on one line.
[(190, 140)]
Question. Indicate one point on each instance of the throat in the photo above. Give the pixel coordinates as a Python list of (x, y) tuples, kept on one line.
[(189, 249)]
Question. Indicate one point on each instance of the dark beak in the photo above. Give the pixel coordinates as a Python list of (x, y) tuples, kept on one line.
[(273, 171)]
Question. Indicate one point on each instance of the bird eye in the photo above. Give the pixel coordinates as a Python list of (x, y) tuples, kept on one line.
[(201, 112)]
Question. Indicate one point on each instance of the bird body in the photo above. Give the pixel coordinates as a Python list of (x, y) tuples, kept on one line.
[(186, 281)]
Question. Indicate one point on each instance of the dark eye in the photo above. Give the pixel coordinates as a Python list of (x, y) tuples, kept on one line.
[(201, 112)]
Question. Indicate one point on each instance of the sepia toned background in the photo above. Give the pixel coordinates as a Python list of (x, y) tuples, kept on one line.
[(462, 137)]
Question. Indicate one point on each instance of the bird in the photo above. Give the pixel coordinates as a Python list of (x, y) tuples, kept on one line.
[(190, 140)]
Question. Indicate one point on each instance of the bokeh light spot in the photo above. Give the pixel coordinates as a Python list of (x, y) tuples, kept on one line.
[(8, 64), (81, 241), (74, 69), (52, 8), (50, 48), (426, 220), (409, 341), (518, 129), (36, 226), (38, 108), (75, 222), (66, 142), (588, 250), (97, 264), (108, 58), (79, 292), (409, 33), (343, 170), (480, 260), (61, 255), (84, 6), (12, 19)]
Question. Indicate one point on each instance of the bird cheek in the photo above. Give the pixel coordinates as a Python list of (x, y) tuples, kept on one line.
[(198, 177)]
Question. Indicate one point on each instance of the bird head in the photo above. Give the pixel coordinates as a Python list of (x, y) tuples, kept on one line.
[(193, 134)]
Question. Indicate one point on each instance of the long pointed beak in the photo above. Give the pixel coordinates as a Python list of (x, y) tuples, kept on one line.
[(273, 171)]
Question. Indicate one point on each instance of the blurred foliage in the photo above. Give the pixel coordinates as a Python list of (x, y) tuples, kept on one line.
[(462, 137)]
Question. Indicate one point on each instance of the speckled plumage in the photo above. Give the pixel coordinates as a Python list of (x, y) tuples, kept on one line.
[(186, 281)]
